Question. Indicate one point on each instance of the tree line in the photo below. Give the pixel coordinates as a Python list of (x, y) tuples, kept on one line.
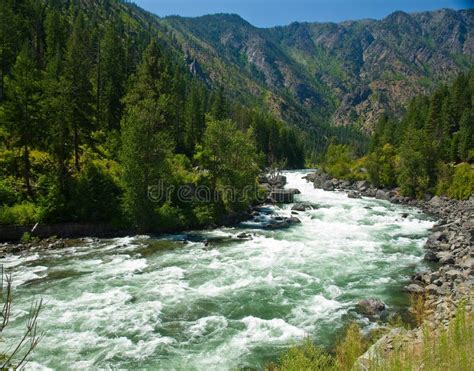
[(96, 107)]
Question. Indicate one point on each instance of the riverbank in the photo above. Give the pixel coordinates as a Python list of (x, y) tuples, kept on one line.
[(438, 291)]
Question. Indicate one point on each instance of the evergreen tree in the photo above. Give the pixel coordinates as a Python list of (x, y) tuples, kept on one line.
[(112, 77), (21, 113), (79, 87), (146, 142)]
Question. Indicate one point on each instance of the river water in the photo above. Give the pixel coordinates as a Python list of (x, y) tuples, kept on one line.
[(159, 303)]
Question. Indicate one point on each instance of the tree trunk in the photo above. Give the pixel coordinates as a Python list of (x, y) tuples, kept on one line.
[(76, 148), (26, 170)]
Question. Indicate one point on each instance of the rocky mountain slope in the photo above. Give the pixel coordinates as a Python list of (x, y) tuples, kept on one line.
[(346, 73)]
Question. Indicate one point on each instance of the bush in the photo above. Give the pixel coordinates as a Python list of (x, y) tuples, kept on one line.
[(8, 192), (96, 195), (338, 161), (170, 217), (306, 356), (350, 348), (462, 185), (22, 214)]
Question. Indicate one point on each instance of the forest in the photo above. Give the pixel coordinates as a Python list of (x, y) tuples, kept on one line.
[(96, 107), (430, 150)]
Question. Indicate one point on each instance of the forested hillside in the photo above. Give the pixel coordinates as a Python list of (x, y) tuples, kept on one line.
[(429, 150), (97, 107), (312, 74)]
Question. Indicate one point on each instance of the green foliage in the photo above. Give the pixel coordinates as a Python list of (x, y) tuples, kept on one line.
[(230, 156), (305, 357), (338, 160), (462, 185), (25, 238), (97, 109), (19, 214), (350, 348), (308, 356), (418, 153)]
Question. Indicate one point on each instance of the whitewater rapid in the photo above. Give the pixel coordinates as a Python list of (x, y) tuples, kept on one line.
[(160, 303)]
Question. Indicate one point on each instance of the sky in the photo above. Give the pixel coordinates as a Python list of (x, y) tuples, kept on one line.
[(268, 13)]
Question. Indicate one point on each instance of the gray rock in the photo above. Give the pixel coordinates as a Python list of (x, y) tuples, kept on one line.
[(354, 194), (244, 236), (382, 195), (362, 185), (431, 256), (300, 207), (413, 288), (453, 274), (370, 307)]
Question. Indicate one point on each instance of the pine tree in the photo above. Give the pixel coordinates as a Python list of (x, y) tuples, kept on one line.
[(112, 79), (79, 87), (21, 112), (146, 142), (194, 120)]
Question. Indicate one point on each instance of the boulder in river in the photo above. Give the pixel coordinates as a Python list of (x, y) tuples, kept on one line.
[(285, 196), (382, 195), (244, 236), (354, 194), (371, 306), (300, 207), (285, 223)]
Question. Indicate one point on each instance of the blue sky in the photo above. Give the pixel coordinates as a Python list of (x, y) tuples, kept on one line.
[(266, 13)]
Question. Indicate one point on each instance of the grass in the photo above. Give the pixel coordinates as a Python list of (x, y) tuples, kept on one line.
[(444, 349)]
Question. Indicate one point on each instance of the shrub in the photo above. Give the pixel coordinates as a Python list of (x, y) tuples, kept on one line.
[(462, 185), (170, 217), (306, 356), (338, 161), (350, 348), (24, 213), (8, 192)]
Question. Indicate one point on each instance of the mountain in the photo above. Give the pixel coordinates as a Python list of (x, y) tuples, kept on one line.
[(346, 73)]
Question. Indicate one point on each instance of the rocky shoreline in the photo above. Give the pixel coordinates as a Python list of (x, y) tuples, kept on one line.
[(449, 248)]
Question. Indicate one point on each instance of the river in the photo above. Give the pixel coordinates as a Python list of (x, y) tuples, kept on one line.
[(159, 303)]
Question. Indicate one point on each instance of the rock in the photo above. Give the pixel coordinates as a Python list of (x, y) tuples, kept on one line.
[(431, 256), (445, 257), (382, 195), (414, 288), (370, 307), (435, 201), (434, 289), (362, 185), (354, 194), (281, 224), (453, 274), (277, 181), (310, 177), (244, 235), (285, 196), (328, 186), (319, 180), (295, 191), (293, 220), (300, 207)]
